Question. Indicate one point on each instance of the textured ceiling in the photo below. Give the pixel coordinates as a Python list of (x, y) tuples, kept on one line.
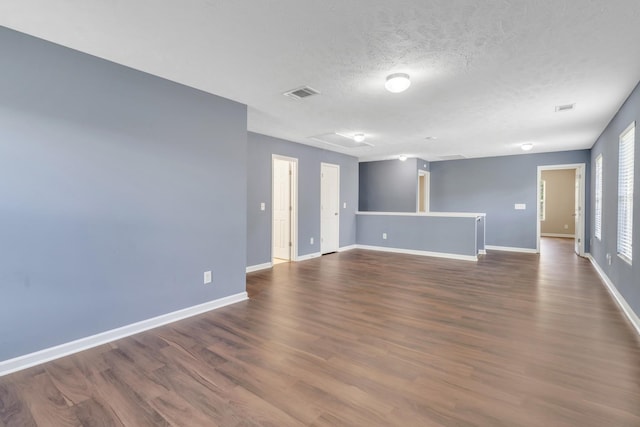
[(486, 75)]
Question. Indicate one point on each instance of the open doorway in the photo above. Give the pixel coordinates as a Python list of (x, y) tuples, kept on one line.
[(423, 191), (560, 207), (284, 201)]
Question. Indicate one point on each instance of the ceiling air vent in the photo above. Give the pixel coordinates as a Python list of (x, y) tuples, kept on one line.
[(339, 140), (452, 157), (566, 107), (301, 92)]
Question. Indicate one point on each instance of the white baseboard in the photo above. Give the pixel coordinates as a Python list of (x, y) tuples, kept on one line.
[(416, 252), (309, 256), (568, 236), (511, 249), (258, 267), (626, 308), (482, 252), (52, 353), (347, 248)]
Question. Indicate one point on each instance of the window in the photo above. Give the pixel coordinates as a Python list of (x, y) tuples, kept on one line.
[(625, 192), (543, 196), (598, 197)]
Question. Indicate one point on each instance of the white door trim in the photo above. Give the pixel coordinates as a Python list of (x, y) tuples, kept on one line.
[(580, 169), (294, 204), (332, 165)]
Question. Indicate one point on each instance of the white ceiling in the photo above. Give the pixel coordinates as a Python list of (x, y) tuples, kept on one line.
[(486, 75)]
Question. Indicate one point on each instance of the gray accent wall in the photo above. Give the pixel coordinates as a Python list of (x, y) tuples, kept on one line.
[(389, 185), (259, 190), (493, 185), (625, 277), (117, 191)]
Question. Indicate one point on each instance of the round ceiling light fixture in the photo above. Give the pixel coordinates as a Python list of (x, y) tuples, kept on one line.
[(397, 82), (358, 137), (402, 158), (527, 146)]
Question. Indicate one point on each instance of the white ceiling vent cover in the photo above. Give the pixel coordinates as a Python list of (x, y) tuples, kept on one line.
[(301, 92), (339, 140), (565, 107)]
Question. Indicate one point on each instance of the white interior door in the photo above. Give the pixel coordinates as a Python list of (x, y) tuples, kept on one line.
[(579, 212), (281, 209), (329, 208)]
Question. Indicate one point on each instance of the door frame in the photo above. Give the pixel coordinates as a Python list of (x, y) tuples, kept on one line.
[(337, 166), (580, 232), (293, 223), (427, 180)]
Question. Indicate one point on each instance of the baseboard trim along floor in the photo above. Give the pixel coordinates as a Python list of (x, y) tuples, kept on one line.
[(52, 353), (626, 308)]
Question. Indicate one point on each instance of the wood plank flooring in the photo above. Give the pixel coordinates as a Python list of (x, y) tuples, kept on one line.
[(365, 338)]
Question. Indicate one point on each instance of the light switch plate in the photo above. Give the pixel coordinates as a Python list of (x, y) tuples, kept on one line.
[(520, 206), (207, 277)]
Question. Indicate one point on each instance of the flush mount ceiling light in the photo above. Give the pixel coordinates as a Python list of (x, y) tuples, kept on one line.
[(397, 82), (402, 158), (527, 146), (358, 137)]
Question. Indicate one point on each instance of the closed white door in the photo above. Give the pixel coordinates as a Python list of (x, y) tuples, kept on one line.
[(579, 214), (281, 209), (329, 208)]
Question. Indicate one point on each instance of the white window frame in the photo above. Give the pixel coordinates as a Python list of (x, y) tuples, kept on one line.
[(626, 154), (598, 198)]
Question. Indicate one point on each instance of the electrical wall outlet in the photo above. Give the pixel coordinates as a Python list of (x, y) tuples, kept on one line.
[(311, 240), (609, 259), (344, 205), (262, 206), (207, 277), (520, 206), (566, 226), (384, 236)]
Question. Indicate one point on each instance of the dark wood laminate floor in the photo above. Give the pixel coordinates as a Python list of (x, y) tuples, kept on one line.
[(365, 339)]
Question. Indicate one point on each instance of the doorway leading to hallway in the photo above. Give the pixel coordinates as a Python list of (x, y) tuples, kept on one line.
[(423, 191), (561, 204), (284, 202)]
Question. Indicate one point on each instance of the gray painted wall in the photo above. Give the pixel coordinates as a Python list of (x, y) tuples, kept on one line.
[(452, 235), (625, 277), (261, 149), (117, 191), (493, 185), (389, 185)]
